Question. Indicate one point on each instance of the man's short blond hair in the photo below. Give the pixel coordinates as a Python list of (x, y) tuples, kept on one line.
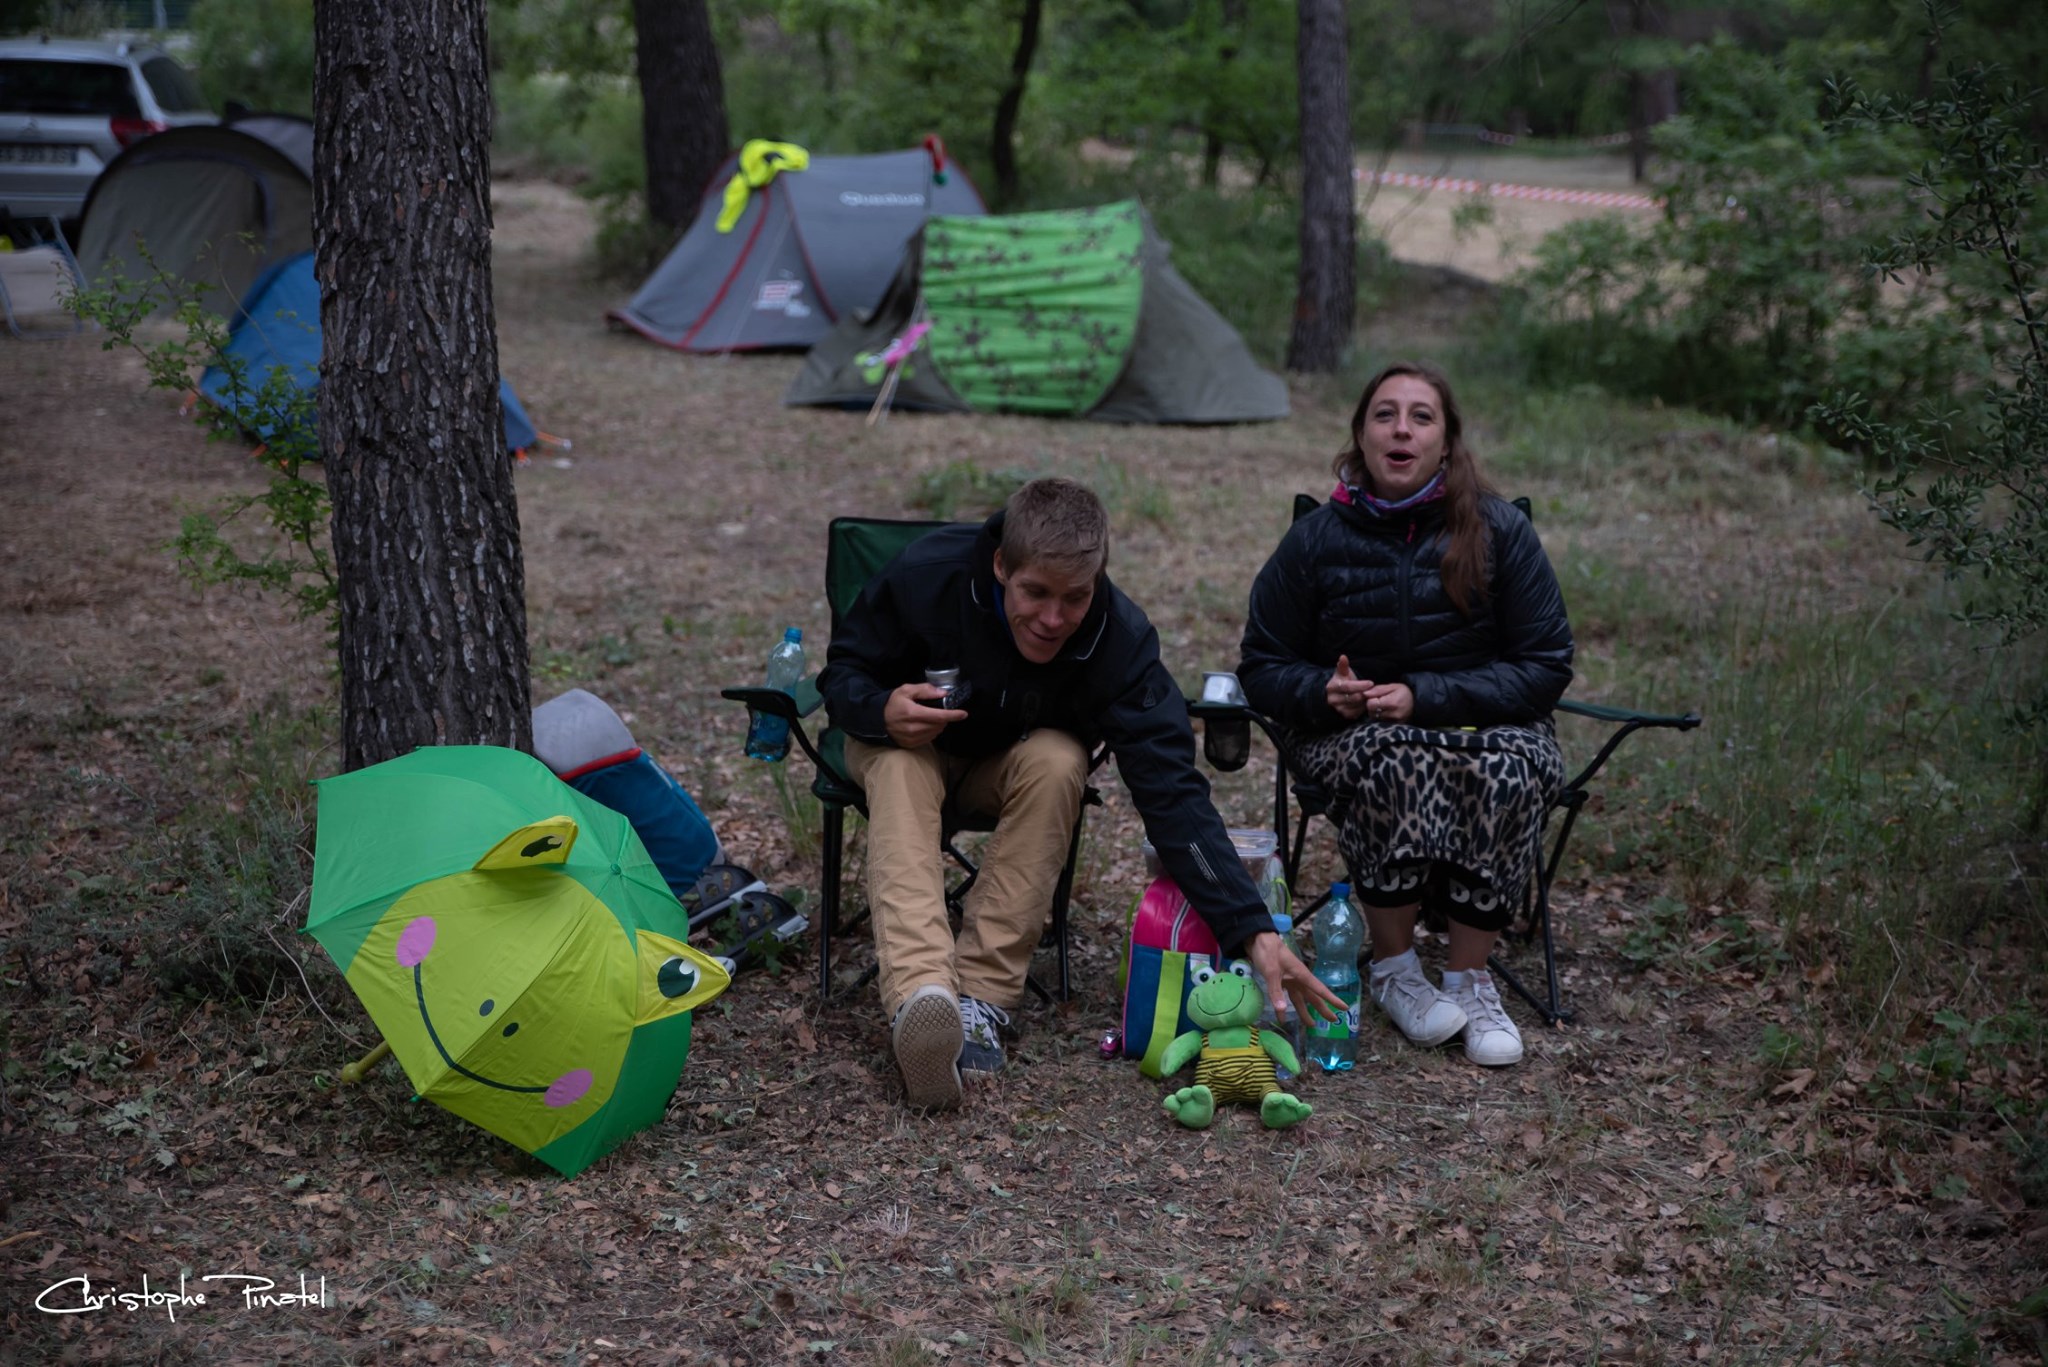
[(1057, 523)]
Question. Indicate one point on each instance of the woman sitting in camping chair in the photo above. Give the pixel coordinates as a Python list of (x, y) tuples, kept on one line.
[(1410, 642)]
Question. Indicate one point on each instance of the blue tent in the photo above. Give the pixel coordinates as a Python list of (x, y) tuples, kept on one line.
[(279, 325)]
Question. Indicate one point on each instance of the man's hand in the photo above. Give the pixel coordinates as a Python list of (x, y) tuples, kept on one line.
[(1287, 977), (911, 721)]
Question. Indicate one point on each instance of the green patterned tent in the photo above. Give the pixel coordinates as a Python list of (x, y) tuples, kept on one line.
[(1077, 312)]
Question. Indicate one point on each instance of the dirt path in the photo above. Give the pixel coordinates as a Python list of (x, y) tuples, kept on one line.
[(1419, 225), (1640, 1190)]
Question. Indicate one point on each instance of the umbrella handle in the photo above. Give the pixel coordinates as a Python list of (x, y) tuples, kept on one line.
[(360, 1069)]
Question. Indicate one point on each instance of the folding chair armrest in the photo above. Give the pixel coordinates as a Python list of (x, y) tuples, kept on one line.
[(1627, 722), (791, 707), (794, 706), (1623, 715), (1232, 711)]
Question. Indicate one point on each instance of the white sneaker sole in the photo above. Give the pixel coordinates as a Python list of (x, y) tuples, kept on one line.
[(1432, 1040), (927, 1041), (1501, 1061)]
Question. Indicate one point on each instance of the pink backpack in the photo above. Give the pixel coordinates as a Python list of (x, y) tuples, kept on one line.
[(1169, 940)]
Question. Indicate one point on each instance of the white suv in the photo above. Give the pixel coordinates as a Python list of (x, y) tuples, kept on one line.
[(68, 107)]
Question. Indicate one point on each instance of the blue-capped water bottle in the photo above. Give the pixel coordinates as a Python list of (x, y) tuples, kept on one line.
[(767, 736), (1340, 933)]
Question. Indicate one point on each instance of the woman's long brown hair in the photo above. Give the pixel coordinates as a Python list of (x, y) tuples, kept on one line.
[(1465, 534)]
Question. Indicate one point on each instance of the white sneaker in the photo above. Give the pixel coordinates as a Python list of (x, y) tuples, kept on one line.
[(928, 1036), (1491, 1038), (1413, 1003)]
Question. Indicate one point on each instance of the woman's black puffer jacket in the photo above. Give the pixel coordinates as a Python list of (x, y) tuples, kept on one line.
[(1345, 581)]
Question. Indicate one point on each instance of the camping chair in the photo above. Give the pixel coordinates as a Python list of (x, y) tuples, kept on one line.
[(37, 278), (856, 548), (1313, 800)]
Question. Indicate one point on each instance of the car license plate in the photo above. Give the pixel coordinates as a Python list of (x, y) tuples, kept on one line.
[(38, 154)]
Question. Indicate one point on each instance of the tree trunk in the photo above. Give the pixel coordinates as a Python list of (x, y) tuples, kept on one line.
[(1233, 18), (426, 529), (682, 106), (1003, 144), (1326, 292), (1652, 95)]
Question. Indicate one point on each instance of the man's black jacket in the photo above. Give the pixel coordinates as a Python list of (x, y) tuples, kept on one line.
[(935, 606), (1346, 581)]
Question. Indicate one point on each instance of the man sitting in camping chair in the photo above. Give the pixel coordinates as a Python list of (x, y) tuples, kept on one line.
[(1052, 659)]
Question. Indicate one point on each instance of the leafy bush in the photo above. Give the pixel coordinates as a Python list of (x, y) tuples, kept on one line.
[(1750, 295), (257, 52), (237, 866), (1970, 487)]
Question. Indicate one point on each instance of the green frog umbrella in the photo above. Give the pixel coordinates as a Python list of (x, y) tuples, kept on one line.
[(521, 952)]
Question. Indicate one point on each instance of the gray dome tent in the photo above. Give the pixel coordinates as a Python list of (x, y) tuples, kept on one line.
[(812, 247), (1074, 312), (214, 204)]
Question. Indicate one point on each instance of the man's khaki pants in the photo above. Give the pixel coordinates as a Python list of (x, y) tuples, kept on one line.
[(1033, 789)]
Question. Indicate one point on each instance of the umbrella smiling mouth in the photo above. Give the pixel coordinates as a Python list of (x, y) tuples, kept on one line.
[(414, 943)]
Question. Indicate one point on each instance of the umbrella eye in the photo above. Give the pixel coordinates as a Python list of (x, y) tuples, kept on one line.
[(490, 1004), (677, 978), (511, 1030)]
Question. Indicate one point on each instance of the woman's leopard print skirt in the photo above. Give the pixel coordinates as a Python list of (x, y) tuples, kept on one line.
[(1452, 819)]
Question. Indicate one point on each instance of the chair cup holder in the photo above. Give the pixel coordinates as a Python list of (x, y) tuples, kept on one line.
[(1227, 745)]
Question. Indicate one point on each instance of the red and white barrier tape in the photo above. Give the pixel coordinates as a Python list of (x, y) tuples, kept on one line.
[(1605, 199)]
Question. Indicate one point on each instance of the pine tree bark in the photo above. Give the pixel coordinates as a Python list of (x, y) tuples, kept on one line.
[(1326, 291), (426, 528), (1003, 140), (683, 128)]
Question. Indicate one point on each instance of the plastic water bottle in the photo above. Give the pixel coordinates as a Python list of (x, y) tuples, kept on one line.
[(1340, 932), (768, 737), (1280, 1015)]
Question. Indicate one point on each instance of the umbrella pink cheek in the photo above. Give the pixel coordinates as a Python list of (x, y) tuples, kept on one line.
[(415, 941), (568, 1089)]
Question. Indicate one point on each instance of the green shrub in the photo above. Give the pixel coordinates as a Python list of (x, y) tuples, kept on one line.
[(1750, 295), (257, 52), (1968, 485), (236, 865)]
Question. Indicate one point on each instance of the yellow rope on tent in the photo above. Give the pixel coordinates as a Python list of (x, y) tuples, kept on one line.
[(760, 159)]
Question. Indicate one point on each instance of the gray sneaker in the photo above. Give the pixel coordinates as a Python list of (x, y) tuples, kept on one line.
[(983, 1052), (927, 1036)]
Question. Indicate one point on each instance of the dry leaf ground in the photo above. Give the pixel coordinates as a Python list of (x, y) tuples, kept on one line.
[(1641, 1190)]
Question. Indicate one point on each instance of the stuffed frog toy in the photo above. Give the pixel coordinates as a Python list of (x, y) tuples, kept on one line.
[(1234, 1058)]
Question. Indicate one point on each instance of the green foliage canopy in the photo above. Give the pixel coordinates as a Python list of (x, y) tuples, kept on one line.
[(257, 52)]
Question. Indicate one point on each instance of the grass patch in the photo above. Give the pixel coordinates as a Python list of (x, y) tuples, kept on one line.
[(230, 879)]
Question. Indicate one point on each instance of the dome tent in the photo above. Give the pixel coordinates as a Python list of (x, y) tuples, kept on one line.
[(212, 204), (813, 246)]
